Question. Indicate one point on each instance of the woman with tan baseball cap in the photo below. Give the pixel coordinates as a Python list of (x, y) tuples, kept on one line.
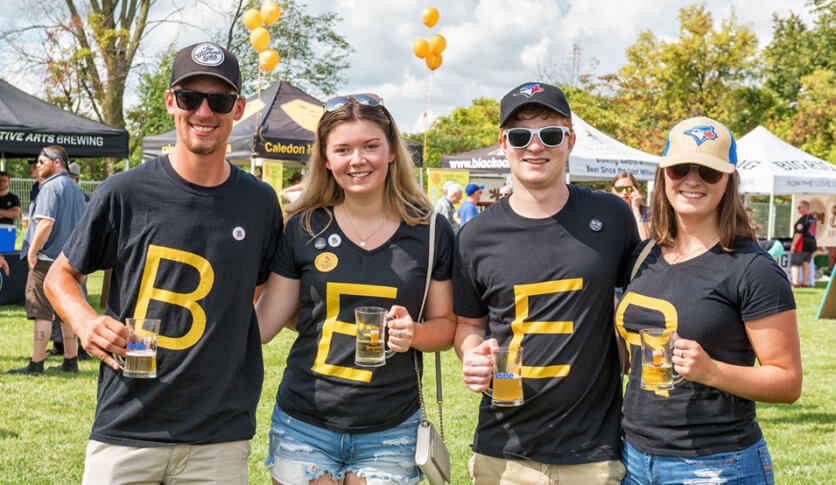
[(704, 276)]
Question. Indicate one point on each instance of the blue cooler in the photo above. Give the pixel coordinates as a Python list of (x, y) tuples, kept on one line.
[(8, 234)]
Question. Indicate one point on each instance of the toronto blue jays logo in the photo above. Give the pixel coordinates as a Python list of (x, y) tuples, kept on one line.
[(529, 90), (701, 134)]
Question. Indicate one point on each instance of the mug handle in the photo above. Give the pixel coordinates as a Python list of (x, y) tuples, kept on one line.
[(388, 352), (119, 360), (676, 377)]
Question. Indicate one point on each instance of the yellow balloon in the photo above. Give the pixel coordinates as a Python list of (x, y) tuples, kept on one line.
[(429, 16), (268, 59), (252, 19), (437, 44), (270, 12), (420, 47), (433, 61), (259, 38)]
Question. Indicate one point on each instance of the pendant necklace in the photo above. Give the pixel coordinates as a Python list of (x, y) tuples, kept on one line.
[(692, 252), (363, 239)]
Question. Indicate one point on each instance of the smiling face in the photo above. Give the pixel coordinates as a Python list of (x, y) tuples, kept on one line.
[(537, 166), (693, 197), (203, 131), (358, 156)]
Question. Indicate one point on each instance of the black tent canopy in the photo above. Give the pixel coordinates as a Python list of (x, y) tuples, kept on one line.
[(27, 124), (278, 124)]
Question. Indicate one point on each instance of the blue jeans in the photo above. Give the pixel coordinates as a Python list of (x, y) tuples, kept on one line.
[(300, 452), (746, 467)]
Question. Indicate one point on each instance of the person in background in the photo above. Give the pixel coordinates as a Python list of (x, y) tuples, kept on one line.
[(625, 186), (729, 304), (75, 174), (803, 245), (467, 209), (36, 186), (292, 193), (9, 202), (52, 217), (504, 191), (752, 222), (445, 205)]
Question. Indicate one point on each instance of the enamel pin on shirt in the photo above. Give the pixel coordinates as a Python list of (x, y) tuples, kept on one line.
[(334, 240), (596, 225), (319, 243)]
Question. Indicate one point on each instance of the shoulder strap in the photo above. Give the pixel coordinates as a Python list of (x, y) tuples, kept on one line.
[(419, 355), (642, 256)]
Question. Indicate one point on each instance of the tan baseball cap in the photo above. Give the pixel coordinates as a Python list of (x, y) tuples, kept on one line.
[(703, 141)]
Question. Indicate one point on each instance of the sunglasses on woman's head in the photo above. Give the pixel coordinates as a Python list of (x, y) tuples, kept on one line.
[(189, 100), (678, 172), (367, 99), (550, 136)]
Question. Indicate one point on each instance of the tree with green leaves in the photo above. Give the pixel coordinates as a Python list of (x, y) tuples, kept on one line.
[(464, 129), (706, 71), (313, 55), (149, 115), (86, 50)]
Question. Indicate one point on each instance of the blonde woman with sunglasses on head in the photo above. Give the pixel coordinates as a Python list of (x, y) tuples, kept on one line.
[(625, 186), (707, 279), (358, 236)]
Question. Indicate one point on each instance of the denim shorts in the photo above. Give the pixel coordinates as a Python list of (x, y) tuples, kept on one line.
[(300, 452), (751, 465)]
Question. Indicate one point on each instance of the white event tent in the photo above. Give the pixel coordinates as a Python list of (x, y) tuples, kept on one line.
[(769, 166), (596, 156)]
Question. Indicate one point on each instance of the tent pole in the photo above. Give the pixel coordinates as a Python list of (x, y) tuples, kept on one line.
[(127, 165), (3, 162), (252, 166), (771, 229)]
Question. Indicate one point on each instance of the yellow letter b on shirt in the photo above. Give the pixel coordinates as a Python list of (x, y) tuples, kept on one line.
[(148, 292)]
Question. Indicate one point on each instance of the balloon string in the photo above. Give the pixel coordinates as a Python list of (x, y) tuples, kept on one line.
[(427, 116)]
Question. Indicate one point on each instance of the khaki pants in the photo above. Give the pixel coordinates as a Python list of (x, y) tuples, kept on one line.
[(488, 470), (215, 463)]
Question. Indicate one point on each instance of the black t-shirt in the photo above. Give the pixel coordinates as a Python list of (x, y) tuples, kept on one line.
[(547, 284), (806, 226), (706, 299), (321, 384), (7, 202), (190, 256)]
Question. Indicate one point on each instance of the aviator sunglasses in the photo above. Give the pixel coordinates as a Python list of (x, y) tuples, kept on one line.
[(368, 99), (189, 100), (550, 136), (680, 171)]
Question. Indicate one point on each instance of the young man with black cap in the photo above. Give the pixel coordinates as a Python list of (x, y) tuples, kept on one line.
[(188, 236), (537, 271)]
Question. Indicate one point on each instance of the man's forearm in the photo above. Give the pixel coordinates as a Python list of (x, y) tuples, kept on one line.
[(12, 213), (42, 232), (467, 337)]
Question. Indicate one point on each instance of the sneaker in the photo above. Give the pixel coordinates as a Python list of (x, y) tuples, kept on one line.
[(82, 354), (69, 365), (34, 368)]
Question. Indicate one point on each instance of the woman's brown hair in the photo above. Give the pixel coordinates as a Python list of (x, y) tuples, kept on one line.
[(733, 221), (401, 195)]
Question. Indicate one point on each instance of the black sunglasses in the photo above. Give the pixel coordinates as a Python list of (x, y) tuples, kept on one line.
[(367, 99), (189, 100), (709, 175), (550, 136)]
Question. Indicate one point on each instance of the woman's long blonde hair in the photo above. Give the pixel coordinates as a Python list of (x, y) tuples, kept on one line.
[(401, 195)]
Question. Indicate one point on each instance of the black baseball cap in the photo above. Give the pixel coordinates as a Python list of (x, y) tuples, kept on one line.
[(208, 59), (545, 95)]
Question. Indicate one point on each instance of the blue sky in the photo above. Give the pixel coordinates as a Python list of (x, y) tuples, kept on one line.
[(492, 45)]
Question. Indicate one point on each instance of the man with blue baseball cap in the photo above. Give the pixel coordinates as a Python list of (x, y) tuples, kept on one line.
[(467, 210)]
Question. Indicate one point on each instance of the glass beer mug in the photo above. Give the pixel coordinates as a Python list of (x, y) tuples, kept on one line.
[(371, 336), (506, 377), (657, 368), (141, 361)]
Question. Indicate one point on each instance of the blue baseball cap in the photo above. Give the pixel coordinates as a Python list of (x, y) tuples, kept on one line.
[(472, 188)]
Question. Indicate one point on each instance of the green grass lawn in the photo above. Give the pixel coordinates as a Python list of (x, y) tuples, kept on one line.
[(45, 420)]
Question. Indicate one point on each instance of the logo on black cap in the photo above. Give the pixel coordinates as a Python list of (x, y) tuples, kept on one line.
[(208, 55), (529, 90)]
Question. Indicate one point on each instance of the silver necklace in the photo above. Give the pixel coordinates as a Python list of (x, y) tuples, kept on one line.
[(362, 239), (692, 252)]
